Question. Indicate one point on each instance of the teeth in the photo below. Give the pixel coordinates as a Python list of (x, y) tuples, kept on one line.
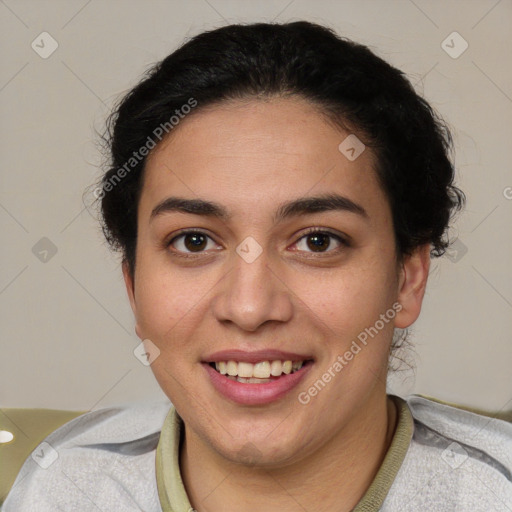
[(258, 381), (245, 370), (275, 368), (262, 370), (232, 368), (287, 367), (259, 372), (251, 380)]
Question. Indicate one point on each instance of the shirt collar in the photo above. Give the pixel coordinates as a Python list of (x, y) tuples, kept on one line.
[(173, 497)]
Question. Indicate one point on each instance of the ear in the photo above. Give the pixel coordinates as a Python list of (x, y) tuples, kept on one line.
[(412, 284), (130, 289)]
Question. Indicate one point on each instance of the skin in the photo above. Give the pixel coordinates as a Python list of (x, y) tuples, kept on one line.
[(251, 156)]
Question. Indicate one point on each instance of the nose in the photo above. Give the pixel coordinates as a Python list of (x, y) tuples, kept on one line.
[(252, 293)]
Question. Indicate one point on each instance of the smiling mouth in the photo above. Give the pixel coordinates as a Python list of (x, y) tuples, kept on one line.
[(261, 372)]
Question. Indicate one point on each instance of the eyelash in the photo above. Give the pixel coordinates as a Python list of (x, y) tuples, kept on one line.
[(311, 231)]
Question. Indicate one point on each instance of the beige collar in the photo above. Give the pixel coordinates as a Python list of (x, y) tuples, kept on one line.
[(173, 497)]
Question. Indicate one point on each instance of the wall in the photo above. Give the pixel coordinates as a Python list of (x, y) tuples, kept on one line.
[(67, 329)]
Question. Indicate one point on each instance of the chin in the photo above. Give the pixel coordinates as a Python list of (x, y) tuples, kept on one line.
[(252, 455), (265, 451)]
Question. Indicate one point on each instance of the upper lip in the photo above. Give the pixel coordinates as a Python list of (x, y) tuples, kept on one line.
[(255, 357)]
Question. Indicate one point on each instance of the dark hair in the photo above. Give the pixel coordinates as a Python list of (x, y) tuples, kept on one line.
[(348, 82)]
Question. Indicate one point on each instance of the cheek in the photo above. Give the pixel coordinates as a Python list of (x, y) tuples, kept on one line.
[(163, 301), (349, 313), (349, 299), (167, 309)]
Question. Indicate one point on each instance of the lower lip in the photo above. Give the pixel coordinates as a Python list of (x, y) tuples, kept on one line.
[(256, 394)]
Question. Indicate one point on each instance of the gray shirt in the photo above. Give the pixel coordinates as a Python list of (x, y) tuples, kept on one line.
[(441, 459)]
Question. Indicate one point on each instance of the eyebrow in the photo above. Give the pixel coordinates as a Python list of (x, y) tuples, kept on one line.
[(295, 208)]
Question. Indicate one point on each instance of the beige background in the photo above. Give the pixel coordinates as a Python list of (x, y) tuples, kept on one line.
[(66, 327)]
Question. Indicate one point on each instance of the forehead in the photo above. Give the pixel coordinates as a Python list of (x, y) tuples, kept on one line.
[(256, 153)]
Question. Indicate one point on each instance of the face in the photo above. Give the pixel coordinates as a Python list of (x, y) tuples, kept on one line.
[(257, 268)]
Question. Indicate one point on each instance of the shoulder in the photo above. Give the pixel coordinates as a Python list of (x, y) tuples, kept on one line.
[(457, 460), (436, 422), (102, 459)]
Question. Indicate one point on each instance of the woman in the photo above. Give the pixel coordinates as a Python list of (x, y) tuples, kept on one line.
[(276, 193)]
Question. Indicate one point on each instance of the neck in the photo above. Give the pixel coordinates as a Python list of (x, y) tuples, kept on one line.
[(333, 478)]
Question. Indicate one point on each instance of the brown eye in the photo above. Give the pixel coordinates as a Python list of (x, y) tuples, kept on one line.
[(190, 241), (320, 242)]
